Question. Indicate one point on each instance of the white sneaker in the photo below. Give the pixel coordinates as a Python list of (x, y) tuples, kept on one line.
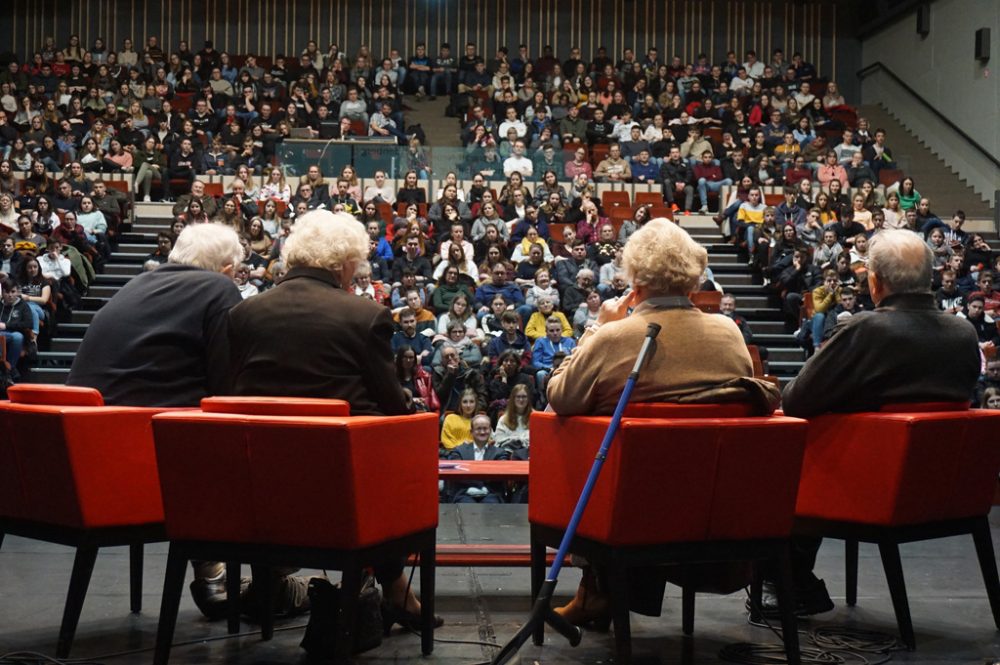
[(703, 210), (146, 199)]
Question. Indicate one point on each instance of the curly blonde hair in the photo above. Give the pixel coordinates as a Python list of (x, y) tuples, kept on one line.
[(326, 240), (662, 257)]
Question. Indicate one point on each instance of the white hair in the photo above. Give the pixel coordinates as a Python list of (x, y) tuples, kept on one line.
[(208, 246), (901, 260), (326, 240), (662, 257)]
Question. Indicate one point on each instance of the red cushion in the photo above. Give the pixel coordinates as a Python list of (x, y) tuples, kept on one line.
[(80, 467), (668, 410), (893, 469), (54, 395), (669, 480), (276, 406), (341, 482)]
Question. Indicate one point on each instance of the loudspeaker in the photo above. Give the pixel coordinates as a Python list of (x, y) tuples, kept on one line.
[(923, 20), (983, 44)]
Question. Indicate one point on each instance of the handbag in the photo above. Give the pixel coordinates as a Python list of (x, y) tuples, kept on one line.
[(323, 629)]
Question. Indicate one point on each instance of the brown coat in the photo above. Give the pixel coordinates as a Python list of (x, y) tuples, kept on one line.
[(695, 352), (307, 337)]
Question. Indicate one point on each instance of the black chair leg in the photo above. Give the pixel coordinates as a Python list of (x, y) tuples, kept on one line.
[(618, 581), (988, 565), (786, 603), (428, 567), (264, 583), (687, 611), (851, 562), (2, 534), (83, 567), (232, 597), (173, 587), (135, 577), (897, 590), (537, 578), (350, 587)]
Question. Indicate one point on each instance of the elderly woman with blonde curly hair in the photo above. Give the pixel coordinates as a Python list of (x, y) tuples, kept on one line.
[(699, 358), (310, 336)]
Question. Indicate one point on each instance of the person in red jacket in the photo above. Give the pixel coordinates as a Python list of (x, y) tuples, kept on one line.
[(708, 175)]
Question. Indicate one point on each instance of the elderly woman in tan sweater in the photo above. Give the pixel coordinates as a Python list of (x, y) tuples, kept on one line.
[(699, 358)]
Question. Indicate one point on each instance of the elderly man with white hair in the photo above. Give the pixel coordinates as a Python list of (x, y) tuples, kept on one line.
[(310, 336), (907, 350), (700, 358), (161, 341)]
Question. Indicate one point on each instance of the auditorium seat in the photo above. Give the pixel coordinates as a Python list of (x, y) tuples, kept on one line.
[(78, 473), (707, 301), (296, 482), (706, 458), (909, 473)]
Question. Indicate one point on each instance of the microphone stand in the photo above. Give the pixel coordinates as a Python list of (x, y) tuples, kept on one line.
[(542, 611)]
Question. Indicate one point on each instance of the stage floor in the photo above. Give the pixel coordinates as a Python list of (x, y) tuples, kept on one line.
[(948, 603)]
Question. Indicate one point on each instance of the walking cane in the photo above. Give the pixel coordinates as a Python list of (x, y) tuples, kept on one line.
[(542, 610)]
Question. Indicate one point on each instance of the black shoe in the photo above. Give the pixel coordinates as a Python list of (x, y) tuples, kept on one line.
[(810, 600), (392, 615), (210, 595)]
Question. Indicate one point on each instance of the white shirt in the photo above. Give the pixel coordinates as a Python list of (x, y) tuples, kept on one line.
[(54, 268), (756, 70), (515, 163), (518, 126)]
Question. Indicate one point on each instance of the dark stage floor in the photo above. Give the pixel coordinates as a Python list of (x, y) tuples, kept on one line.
[(948, 602)]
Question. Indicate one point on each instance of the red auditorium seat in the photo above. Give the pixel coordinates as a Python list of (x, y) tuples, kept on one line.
[(909, 473), (707, 301), (736, 478), (78, 473), (296, 482)]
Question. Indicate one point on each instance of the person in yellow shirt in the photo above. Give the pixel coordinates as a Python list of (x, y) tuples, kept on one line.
[(750, 215), (457, 427), (824, 298), (536, 323)]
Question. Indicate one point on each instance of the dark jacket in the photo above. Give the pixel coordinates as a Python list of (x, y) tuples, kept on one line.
[(160, 341), (449, 386), (466, 452), (338, 350), (16, 318), (885, 356)]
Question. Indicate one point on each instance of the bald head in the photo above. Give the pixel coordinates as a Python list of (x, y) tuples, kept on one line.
[(899, 261)]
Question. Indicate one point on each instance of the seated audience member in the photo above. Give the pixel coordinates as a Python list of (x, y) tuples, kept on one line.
[(481, 447), (510, 339), (899, 278), (949, 298), (164, 244), (701, 354), (511, 432), (727, 308), (452, 376), (536, 326), (349, 341), (988, 386), (984, 324), (848, 306), (546, 348), (456, 428), (415, 380), (408, 336), (18, 320), (825, 297), (208, 204), (153, 345), (457, 335), (498, 285)]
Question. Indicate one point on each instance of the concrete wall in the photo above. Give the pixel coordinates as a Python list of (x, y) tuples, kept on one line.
[(943, 70)]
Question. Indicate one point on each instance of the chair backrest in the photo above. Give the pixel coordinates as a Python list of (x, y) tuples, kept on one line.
[(276, 406), (669, 479), (707, 301), (54, 395), (66, 460), (338, 482), (892, 469)]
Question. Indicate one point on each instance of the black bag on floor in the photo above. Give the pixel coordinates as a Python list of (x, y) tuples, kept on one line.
[(320, 639)]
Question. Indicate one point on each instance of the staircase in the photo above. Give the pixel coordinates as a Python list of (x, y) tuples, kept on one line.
[(731, 274), (933, 178)]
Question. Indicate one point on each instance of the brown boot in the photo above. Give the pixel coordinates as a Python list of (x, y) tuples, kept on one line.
[(589, 606)]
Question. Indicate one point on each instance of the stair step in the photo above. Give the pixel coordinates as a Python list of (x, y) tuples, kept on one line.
[(55, 358), (66, 344), (103, 291), (72, 329), (122, 269), (50, 375), (83, 316)]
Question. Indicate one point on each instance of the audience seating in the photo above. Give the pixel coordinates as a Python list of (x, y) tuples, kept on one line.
[(615, 198), (293, 482), (911, 472), (707, 301), (78, 473), (648, 198), (735, 476)]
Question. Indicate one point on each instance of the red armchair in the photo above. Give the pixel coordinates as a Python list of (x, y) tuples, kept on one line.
[(681, 484), (78, 473), (912, 472), (293, 482)]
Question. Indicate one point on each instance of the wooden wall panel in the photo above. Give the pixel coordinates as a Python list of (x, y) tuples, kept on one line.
[(682, 27)]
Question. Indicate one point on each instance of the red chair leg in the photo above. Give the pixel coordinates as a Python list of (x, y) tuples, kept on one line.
[(618, 581), (687, 610), (851, 563), (83, 567), (135, 577), (427, 574), (987, 564), (786, 602), (173, 587), (897, 590)]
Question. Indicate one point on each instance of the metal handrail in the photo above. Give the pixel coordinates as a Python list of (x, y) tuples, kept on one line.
[(879, 65)]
